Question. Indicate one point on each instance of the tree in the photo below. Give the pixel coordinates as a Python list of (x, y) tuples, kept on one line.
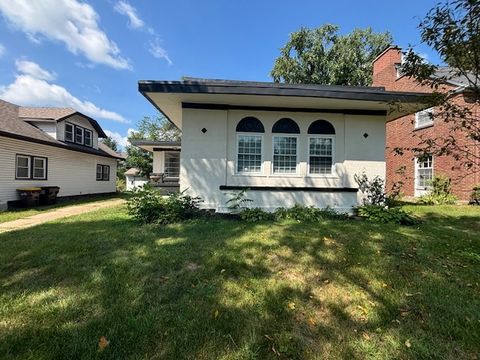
[(322, 56), (155, 129), (111, 143), (452, 30)]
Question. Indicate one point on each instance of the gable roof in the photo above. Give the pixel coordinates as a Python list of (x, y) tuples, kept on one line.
[(14, 126)]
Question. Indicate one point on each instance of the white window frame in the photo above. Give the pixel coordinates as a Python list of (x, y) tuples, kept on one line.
[(319, 136), (421, 190), (44, 160), (273, 156), (29, 167), (83, 133), (427, 124), (261, 136), (72, 132), (165, 163)]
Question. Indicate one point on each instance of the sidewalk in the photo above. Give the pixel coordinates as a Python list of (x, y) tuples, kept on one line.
[(55, 214)]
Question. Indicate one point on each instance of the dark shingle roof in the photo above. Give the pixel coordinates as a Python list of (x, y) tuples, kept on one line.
[(13, 125), (450, 75)]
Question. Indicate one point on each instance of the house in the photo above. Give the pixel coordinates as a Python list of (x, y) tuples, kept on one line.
[(285, 144), (133, 179), (53, 147), (414, 172), (166, 165)]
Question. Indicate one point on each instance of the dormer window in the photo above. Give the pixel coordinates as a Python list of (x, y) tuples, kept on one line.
[(69, 132), (88, 138), (78, 135)]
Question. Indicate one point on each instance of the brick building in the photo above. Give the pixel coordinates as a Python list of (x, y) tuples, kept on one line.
[(405, 132)]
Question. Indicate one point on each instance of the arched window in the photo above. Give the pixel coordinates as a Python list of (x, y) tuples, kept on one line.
[(249, 146), (321, 147), (250, 124), (285, 146), (321, 127), (285, 126)]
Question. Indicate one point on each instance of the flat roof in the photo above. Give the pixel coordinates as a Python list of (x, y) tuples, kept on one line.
[(154, 145), (170, 96)]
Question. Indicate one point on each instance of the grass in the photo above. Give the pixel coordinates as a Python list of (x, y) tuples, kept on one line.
[(222, 289), (16, 214)]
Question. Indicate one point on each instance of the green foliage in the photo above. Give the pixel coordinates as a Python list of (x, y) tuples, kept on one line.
[(382, 214), (303, 213), (374, 190), (110, 142), (121, 185), (475, 195), (237, 200), (322, 56), (147, 205), (440, 193), (256, 215)]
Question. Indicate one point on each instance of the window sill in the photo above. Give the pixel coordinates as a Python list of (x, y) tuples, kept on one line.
[(423, 127), (249, 175), (319, 176)]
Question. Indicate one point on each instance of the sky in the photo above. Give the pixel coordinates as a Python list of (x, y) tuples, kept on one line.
[(90, 55)]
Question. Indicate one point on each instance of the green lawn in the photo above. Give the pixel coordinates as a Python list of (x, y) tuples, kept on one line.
[(220, 289), (16, 214)]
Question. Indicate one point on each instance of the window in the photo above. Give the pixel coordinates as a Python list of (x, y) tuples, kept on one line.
[(69, 132), (424, 118), (249, 153), (39, 168), (250, 124), (23, 167), (321, 155), (88, 137), (79, 135), (424, 170), (31, 167), (172, 164), (103, 172), (285, 126), (285, 154)]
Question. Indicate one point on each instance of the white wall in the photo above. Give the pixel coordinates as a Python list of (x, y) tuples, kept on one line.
[(208, 160), (133, 181), (74, 172)]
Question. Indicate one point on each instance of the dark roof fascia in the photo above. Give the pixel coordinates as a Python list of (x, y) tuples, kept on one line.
[(95, 124), (270, 89), (288, 188), (155, 143), (281, 109), (59, 145)]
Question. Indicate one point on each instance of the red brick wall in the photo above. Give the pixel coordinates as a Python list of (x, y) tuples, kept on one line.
[(400, 133)]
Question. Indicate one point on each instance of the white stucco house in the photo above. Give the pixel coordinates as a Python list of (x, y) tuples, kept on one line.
[(53, 147), (286, 144)]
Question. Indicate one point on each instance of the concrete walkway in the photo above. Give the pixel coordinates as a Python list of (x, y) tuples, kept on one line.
[(55, 214)]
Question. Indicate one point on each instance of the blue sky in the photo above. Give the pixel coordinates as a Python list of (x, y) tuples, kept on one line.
[(90, 54)]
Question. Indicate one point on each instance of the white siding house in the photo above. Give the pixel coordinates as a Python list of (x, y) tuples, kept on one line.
[(284, 144), (53, 147)]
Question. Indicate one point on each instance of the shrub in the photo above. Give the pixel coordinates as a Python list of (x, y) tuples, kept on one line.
[(237, 201), (475, 195), (307, 213), (374, 190), (121, 185), (382, 214), (440, 193), (256, 214), (147, 205)]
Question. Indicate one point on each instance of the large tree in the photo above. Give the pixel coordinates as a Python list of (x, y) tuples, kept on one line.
[(322, 56), (451, 29), (149, 128), (111, 143)]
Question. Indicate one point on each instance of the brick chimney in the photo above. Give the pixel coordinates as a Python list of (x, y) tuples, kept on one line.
[(385, 67)]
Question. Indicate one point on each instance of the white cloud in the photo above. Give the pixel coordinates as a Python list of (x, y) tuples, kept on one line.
[(2, 50), (30, 68), (157, 51), (30, 90), (121, 140), (124, 8), (71, 22)]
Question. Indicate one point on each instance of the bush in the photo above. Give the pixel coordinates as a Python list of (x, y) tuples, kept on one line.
[(121, 185), (382, 214), (440, 193), (475, 195), (255, 215), (237, 201), (147, 205), (307, 213), (374, 190)]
